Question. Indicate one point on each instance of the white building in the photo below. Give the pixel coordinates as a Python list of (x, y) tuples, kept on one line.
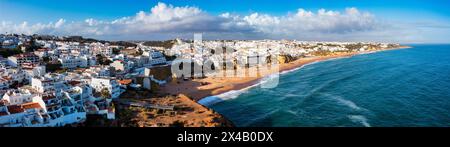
[(122, 67), (98, 71), (13, 75), (42, 53), (21, 108), (72, 62), (102, 49), (48, 82), (155, 57), (33, 71), (16, 60), (4, 83), (111, 84)]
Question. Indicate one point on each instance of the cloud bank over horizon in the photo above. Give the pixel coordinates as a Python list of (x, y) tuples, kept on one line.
[(165, 21)]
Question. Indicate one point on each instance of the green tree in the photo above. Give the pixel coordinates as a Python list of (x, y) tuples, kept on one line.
[(103, 60), (5, 53), (115, 51), (105, 93), (32, 46), (52, 67), (46, 59)]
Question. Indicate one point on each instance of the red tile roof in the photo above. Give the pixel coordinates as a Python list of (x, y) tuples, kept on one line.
[(13, 109), (48, 97), (74, 83), (3, 113), (42, 49), (125, 81), (29, 54), (31, 105), (6, 78)]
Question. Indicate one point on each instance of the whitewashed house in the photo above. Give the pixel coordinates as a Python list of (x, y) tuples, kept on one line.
[(111, 84), (72, 62), (17, 60)]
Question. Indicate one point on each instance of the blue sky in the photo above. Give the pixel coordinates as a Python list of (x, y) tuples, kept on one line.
[(50, 10), (420, 20)]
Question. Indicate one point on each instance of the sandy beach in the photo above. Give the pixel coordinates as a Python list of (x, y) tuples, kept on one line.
[(218, 85)]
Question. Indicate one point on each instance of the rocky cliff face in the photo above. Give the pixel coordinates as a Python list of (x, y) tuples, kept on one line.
[(285, 59), (186, 113)]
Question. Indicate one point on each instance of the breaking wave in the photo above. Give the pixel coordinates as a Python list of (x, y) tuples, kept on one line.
[(359, 119)]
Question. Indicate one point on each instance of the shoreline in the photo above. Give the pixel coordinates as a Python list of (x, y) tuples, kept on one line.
[(231, 87), (208, 100), (219, 86)]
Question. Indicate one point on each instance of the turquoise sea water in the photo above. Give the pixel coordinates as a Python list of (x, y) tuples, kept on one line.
[(407, 87)]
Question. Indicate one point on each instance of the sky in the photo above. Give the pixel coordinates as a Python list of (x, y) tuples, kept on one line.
[(401, 21)]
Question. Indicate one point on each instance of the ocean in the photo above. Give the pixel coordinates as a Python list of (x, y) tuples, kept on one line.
[(395, 88)]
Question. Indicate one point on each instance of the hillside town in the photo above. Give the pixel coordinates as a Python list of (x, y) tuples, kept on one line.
[(51, 81)]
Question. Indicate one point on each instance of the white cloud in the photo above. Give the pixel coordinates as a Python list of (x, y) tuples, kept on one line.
[(309, 22), (59, 23), (25, 28), (165, 21)]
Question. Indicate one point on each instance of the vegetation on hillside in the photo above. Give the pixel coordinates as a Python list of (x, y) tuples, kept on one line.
[(115, 51), (166, 44), (9, 52), (53, 67), (122, 43), (102, 60)]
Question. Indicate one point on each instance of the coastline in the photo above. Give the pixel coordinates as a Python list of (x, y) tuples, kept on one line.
[(194, 97), (297, 64), (234, 92), (217, 86)]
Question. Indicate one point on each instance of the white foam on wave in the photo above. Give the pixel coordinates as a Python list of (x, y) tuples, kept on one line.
[(293, 112), (210, 100), (347, 103), (344, 102), (261, 117), (359, 119), (297, 68), (363, 53), (270, 81)]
